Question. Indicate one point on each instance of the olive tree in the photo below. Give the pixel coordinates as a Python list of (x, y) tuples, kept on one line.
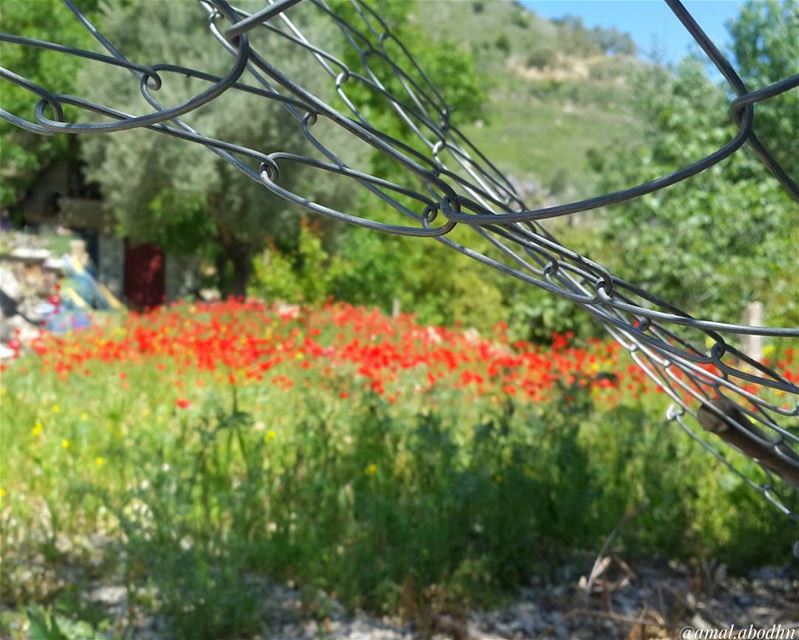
[(180, 194)]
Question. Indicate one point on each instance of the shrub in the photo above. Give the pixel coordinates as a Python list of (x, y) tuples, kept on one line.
[(503, 44)]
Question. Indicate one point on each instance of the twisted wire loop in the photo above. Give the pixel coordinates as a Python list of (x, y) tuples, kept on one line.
[(747, 411)]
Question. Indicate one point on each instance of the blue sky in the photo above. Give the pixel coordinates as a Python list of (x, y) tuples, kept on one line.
[(650, 22)]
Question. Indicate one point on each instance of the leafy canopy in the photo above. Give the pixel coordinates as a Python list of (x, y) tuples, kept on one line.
[(728, 236), (24, 154)]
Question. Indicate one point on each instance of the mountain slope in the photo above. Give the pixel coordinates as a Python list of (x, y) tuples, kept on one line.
[(554, 89)]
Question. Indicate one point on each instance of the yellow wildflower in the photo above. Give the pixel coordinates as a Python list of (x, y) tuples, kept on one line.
[(768, 351), (270, 435), (2, 492), (84, 416), (371, 470), (99, 461), (37, 429), (65, 443), (56, 409)]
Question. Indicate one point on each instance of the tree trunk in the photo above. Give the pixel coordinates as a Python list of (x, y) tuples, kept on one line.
[(241, 260), (233, 265)]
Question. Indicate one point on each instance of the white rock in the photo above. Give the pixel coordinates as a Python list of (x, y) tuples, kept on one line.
[(10, 285), (31, 253)]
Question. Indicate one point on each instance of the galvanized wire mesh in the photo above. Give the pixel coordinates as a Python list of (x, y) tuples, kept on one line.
[(747, 411)]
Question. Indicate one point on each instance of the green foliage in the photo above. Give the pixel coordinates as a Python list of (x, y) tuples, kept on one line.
[(42, 629), (304, 274), (381, 270), (361, 500), (716, 242), (540, 57), (517, 109), (765, 43), (578, 40), (179, 194), (47, 625), (182, 197), (535, 314), (613, 42), (191, 545), (312, 475), (450, 67), (521, 18), (23, 154), (503, 43), (175, 220), (559, 182), (377, 270)]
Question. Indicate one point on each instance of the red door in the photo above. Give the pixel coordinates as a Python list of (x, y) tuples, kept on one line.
[(144, 275)]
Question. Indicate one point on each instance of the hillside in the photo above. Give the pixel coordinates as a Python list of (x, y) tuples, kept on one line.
[(554, 89)]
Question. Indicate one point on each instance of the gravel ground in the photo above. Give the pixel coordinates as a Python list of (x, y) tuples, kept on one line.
[(649, 603), (646, 601)]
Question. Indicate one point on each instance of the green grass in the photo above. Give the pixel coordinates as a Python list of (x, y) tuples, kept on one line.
[(530, 137), (191, 487), (539, 128)]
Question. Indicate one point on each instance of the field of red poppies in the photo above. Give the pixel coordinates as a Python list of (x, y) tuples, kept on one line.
[(246, 343), (191, 450)]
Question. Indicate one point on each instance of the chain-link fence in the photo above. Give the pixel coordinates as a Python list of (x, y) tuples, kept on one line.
[(733, 405)]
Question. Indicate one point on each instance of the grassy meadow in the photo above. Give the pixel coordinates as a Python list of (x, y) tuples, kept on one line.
[(191, 453)]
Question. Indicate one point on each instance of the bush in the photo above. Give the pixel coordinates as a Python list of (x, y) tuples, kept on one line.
[(540, 58), (520, 18), (377, 270), (305, 274), (502, 43)]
